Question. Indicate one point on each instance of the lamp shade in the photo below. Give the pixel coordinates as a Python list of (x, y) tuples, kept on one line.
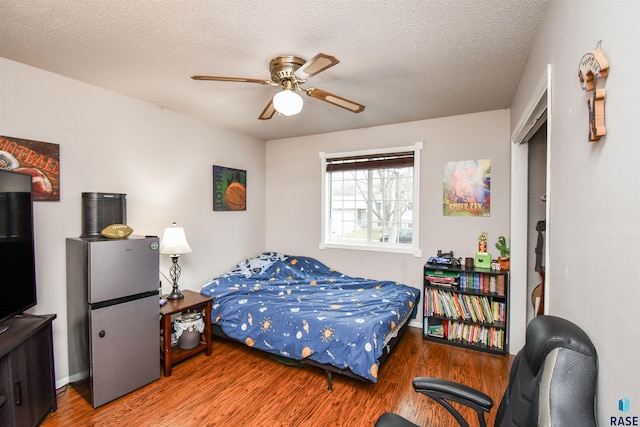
[(174, 242), (287, 102)]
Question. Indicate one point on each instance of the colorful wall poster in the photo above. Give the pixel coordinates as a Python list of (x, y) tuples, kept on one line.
[(229, 189), (39, 159), (467, 188)]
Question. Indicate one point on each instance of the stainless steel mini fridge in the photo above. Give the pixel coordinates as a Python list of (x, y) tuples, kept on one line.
[(112, 315)]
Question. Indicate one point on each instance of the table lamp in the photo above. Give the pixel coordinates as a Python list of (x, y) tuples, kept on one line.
[(174, 243)]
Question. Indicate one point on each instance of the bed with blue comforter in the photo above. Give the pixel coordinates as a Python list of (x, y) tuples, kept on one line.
[(298, 308)]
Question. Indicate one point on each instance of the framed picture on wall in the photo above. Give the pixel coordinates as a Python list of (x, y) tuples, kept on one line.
[(39, 159), (229, 189), (467, 188)]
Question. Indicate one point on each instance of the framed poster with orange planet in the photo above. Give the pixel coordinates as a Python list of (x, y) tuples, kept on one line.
[(229, 189)]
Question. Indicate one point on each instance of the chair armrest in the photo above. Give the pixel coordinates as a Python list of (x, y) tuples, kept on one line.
[(442, 390), (459, 392)]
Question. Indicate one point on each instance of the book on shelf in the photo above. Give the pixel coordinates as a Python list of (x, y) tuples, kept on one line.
[(435, 330), (454, 305), (462, 310), (472, 334), (466, 305), (470, 309), (500, 285), (442, 281), (442, 273), (498, 310), (486, 310), (481, 282), (477, 307)]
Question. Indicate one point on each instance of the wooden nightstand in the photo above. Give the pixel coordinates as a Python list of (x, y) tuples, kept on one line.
[(191, 301)]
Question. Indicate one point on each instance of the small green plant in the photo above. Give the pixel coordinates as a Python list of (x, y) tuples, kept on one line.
[(482, 237), (502, 247)]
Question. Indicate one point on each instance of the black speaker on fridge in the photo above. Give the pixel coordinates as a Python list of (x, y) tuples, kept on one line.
[(100, 210)]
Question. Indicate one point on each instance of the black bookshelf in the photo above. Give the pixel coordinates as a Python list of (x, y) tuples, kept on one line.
[(466, 307)]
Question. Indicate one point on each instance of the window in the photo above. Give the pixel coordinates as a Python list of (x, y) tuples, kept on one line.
[(370, 199)]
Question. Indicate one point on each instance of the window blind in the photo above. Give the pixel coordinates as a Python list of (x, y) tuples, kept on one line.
[(375, 161)]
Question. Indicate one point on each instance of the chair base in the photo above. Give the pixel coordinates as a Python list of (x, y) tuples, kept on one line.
[(389, 419)]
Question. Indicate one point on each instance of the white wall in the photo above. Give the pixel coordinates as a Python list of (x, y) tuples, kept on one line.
[(594, 202), (293, 193), (160, 159)]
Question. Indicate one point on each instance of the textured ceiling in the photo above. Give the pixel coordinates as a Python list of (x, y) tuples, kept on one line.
[(405, 60)]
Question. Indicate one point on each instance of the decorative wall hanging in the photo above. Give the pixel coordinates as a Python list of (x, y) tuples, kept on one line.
[(593, 67), (467, 188), (229, 189), (39, 159)]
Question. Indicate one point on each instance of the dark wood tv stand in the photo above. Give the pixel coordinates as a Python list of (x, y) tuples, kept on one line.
[(27, 380)]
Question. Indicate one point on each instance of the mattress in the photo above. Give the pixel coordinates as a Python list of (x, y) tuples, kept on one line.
[(297, 307)]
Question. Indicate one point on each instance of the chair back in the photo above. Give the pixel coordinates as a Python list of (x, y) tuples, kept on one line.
[(553, 378)]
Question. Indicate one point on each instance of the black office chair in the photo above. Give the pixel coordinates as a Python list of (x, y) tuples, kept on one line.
[(552, 382)]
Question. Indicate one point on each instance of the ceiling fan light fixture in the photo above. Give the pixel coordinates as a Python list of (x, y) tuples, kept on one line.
[(289, 72), (287, 102)]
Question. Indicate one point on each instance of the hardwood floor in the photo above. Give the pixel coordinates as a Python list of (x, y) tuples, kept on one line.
[(239, 386)]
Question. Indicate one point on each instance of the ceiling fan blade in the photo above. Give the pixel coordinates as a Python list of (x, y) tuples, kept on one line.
[(231, 79), (318, 63), (268, 111), (335, 100)]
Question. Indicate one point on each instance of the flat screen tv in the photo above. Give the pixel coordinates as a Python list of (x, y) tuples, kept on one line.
[(17, 275)]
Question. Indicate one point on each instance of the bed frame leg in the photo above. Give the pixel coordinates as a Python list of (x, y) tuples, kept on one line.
[(329, 379)]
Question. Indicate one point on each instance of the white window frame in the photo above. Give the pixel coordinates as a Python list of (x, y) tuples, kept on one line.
[(325, 238)]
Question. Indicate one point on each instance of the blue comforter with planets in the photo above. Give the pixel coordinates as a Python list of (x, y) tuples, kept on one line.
[(299, 308)]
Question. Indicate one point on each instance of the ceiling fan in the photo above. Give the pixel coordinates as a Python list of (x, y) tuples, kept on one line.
[(290, 72)]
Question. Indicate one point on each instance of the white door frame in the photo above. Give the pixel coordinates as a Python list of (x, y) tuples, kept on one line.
[(539, 102)]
